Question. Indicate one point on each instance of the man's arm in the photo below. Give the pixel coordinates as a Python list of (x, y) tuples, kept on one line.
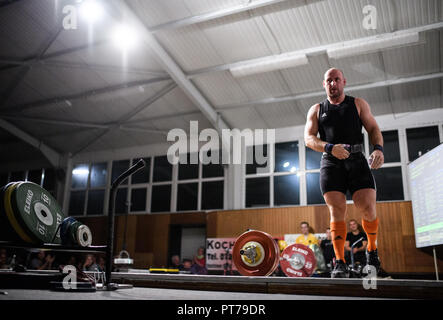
[(313, 142), (374, 133)]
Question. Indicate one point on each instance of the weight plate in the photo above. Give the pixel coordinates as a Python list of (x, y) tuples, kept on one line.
[(297, 260), (65, 231), (84, 236), (38, 211), (7, 232), (12, 218), (255, 253)]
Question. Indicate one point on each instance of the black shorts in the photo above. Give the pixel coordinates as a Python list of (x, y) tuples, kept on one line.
[(350, 174)]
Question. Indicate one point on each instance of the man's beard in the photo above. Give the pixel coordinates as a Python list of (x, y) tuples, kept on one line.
[(334, 94)]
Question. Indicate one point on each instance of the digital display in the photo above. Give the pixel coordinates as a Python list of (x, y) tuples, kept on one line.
[(426, 186)]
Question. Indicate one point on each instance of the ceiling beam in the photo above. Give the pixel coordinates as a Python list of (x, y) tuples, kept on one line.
[(173, 68), (90, 66), (119, 124), (8, 92), (321, 93), (313, 50), (248, 5), (79, 124), (34, 60), (84, 95), (52, 155)]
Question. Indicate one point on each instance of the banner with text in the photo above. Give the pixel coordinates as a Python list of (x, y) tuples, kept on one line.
[(219, 254)]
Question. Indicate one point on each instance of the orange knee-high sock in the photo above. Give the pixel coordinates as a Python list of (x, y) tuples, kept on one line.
[(338, 234), (371, 228)]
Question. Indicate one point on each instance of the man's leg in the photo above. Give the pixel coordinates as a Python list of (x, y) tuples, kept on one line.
[(336, 202), (364, 200)]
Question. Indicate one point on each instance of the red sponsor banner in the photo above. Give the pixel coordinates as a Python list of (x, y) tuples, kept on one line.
[(219, 254)]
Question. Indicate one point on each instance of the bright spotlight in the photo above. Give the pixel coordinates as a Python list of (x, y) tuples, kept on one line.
[(293, 169), (125, 37), (80, 172), (286, 164), (91, 11)]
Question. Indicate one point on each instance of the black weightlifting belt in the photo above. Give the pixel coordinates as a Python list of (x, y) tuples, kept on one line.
[(354, 148)]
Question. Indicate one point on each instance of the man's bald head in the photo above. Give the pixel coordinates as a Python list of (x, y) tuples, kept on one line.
[(333, 71), (334, 82)]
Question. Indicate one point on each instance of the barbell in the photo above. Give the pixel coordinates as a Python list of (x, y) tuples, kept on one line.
[(255, 253)]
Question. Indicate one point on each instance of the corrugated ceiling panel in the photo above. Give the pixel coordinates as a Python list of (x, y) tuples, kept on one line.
[(157, 12), (283, 114), (109, 54), (263, 85), (220, 89), (173, 102), (77, 80), (309, 77), (47, 83), (361, 69), (47, 13), (160, 12), (411, 13), (292, 25), (244, 118), (24, 93), (190, 48), (417, 96), (377, 98), (235, 37), (412, 60), (76, 140), (18, 32)]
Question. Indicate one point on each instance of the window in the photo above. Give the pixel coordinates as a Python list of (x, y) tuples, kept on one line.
[(88, 187), (142, 175), (314, 195), (391, 146), (389, 183), (313, 159), (77, 203), (212, 195), (80, 175), (286, 157), (98, 175), (257, 192), (121, 201), (162, 169), (95, 202), (187, 170), (161, 198), (256, 157), (421, 140), (286, 190), (118, 167), (187, 196), (138, 199)]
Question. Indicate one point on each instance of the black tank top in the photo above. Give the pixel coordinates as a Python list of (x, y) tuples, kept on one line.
[(340, 123)]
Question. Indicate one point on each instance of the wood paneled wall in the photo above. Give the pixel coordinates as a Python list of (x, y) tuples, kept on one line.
[(147, 236)]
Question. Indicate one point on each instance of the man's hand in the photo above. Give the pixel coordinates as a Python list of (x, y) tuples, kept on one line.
[(376, 159), (340, 152)]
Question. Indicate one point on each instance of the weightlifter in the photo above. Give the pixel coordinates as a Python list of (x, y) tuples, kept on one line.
[(339, 120)]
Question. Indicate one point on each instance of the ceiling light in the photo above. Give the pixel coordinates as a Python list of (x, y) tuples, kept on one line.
[(125, 37), (286, 164), (272, 63), (378, 43), (91, 11)]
